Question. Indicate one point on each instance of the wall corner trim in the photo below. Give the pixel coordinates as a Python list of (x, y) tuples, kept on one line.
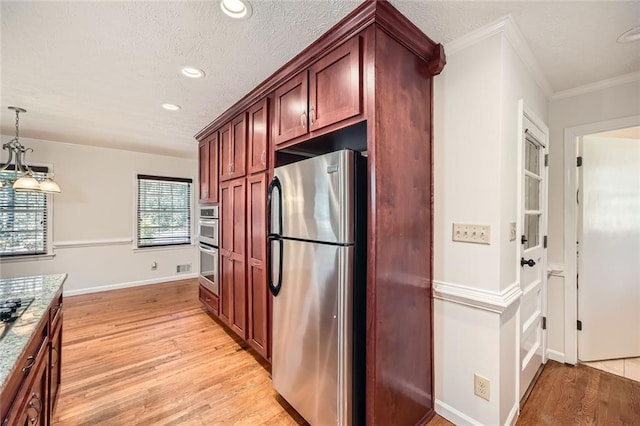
[(508, 26), (491, 301), (513, 415)]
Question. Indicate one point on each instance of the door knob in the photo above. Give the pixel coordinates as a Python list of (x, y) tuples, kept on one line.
[(529, 262)]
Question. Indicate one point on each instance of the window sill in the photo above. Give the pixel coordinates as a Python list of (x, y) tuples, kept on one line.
[(34, 257), (163, 248)]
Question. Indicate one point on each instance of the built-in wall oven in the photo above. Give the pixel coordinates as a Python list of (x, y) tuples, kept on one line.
[(208, 241)]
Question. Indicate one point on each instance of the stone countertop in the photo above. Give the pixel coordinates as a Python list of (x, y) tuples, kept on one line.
[(43, 289)]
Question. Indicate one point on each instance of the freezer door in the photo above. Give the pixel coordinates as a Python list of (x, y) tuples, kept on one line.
[(317, 198), (312, 338)]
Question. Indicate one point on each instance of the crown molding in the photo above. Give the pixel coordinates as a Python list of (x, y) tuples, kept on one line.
[(491, 301), (507, 26), (596, 86)]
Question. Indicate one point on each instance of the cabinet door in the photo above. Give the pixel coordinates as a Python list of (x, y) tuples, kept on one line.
[(239, 146), (213, 169), (239, 318), (55, 363), (225, 136), (335, 86), (291, 116), (258, 325), (225, 269), (203, 163), (31, 407), (258, 137), (232, 255)]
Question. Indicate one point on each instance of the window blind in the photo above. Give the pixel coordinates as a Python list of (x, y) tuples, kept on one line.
[(164, 211), (23, 217)]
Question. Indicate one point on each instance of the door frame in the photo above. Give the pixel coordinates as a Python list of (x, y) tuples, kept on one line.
[(524, 111), (572, 139)]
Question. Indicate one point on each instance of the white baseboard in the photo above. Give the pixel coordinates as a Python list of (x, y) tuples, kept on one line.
[(555, 355), (454, 416), (513, 415), (87, 290)]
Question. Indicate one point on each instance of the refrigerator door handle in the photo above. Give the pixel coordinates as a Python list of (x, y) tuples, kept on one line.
[(274, 237)]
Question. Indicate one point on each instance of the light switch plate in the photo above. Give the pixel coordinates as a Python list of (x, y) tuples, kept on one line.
[(479, 234), (512, 231)]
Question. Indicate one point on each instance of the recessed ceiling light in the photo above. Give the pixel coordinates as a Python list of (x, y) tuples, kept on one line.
[(238, 9), (192, 72), (171, 107), (628, 36)]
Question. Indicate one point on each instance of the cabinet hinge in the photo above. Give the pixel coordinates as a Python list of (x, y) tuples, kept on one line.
[(579, 325), (544, 242), (546, 160), (544, 323), (579, 162)]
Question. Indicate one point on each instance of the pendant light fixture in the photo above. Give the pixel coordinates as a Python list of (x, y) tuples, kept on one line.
[(23, 180)]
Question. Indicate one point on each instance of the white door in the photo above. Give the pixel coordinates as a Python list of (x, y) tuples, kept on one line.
[(533, 261), (609, 260)]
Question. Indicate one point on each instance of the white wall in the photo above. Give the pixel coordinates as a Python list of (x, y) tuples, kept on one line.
[(93, 218), (606, 104), (475, 286)]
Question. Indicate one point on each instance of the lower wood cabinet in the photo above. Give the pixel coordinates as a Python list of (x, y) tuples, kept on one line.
[(209, 299), (258, 303), (233, 283), (31, 392), (244, 300)]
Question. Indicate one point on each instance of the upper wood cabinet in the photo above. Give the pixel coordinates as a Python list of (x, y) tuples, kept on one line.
[(258, 136), (328, 92), (233, 148), (208, 169)]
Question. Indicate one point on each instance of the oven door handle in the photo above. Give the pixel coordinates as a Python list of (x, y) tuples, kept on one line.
[(208, 250), (209, 222)]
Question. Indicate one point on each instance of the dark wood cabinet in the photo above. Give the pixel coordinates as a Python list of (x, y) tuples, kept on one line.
[(258, 117), (208, 169), (291, 109), (233, 282), (366, 84), (31, 392), (335, 86), (258, 326), (55, 352), (208, 299), (233, 146), (328, 92)]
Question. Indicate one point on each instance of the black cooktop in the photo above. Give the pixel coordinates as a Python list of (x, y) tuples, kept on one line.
[(10, 310)]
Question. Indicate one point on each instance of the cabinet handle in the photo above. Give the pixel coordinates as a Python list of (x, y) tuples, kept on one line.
[(312, 115), (303, 119), (36, 419), (229, 168), (233, 167), (263, 158), (32, 360), (208, 299), (54, 363)]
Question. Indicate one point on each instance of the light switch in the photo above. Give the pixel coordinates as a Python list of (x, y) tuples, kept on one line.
[(479, 234)]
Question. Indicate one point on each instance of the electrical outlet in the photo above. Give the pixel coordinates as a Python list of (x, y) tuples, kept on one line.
[(481, 387), (512, 231), (479, 234), (154, 266)]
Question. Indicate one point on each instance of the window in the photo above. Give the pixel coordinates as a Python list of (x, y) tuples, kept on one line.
[(23, 217), (164, 211)]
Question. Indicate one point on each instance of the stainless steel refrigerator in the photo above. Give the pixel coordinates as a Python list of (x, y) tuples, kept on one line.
[(317, 262)]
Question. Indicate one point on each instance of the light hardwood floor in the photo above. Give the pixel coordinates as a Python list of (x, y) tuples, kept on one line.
[(152, 356)]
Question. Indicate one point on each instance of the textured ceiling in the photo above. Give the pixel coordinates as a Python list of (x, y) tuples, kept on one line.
[(96, 73)]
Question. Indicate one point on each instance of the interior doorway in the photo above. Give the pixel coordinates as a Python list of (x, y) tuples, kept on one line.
[(609, 251), (602, 242)]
